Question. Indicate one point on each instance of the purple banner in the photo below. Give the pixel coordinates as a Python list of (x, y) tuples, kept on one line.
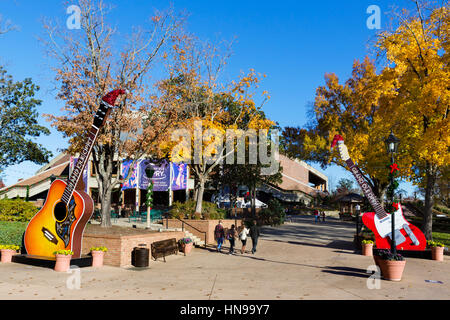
[(131, 182), (179, 176), (73, 162), (161, 177)]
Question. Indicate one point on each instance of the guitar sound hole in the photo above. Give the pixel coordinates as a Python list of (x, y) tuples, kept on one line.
[(60, 211)]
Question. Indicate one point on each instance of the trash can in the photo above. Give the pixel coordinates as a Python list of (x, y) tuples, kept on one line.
[(140, 257)]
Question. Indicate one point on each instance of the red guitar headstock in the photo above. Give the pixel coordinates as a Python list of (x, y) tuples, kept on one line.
[(108, 102)]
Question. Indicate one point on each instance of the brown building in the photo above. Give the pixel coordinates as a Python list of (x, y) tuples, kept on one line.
[(300, 184)]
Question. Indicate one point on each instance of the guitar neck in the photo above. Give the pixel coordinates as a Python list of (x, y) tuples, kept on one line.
[(80, 165), (376, 205)]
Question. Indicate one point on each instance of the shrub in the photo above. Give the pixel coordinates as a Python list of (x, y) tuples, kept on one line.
[(273, 215), (187, 210), (104, 249), (435, 244), (388, 255), (9, 247), (64, 252), (16, 210), (185, 240)]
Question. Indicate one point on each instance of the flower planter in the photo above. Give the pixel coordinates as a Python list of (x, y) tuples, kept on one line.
[(186, 248), (437, 253), (7, 255), (377, 260), (62, 262), (367, 249), (97, 258), (391, 269)]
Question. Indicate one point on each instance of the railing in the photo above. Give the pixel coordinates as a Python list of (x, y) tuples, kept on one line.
[(182, 226)]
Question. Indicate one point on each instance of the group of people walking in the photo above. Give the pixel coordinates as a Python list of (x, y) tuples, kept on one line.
[(242, 233), (318, 215)]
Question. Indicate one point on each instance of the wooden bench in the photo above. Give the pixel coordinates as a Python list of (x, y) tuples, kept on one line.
[(164, 248)]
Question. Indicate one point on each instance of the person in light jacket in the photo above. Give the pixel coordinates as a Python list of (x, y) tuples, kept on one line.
[(243, 237)]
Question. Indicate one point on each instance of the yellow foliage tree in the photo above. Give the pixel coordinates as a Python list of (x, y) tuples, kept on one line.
[(416, 98), (211, 110)]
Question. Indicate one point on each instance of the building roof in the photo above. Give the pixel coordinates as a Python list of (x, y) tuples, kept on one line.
[(57, 171), (296, 176), (351, 197)]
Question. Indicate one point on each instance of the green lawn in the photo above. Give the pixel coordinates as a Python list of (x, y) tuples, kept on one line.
[(442, 237), (11, 232)]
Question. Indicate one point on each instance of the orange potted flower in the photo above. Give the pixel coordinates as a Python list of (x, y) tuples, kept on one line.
[(367, 248), (7, 252), (98, 254), (437, 250), (186, 245), (391, 265), (63, 260)]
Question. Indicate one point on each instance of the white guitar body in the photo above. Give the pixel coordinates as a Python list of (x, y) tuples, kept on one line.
[(381, 222)]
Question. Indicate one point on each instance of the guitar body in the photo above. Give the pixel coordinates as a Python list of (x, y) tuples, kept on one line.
[(57, 226), (403, 239)]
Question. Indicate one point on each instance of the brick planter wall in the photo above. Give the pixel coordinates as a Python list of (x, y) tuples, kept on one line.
[(203, 225), (120, 247)]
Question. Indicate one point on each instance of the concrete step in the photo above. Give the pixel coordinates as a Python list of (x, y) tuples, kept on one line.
[(197, 241)]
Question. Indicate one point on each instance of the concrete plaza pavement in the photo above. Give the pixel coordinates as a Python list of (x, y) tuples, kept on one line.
[(299, 260)]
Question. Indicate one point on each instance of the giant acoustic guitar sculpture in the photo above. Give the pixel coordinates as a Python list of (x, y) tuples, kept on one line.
[(407, 236), (60, 224)]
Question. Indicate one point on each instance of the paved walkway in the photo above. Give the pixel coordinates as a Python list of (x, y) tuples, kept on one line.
[(299, 260)]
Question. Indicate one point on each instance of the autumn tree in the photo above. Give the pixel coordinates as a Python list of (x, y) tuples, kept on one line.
[(351, 110), (416, 100), (409, 96), (213, 111), (90, 63)]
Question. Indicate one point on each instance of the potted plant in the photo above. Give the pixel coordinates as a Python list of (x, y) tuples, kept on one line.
[(8, 251), (97, 255), (391, 265), (367, 248), (437, 250), (63, 260), (186, 245)]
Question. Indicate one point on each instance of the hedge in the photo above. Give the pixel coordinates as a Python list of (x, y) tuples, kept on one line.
[(16, 210)]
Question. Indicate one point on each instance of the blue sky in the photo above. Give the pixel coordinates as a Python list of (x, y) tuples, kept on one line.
[(293, 42)]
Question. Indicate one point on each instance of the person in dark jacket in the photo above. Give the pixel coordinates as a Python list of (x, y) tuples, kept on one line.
[(219, 234), (231, 236), (254, 234)]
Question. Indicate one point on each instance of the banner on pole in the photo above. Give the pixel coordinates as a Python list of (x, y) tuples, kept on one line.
[(161, 176)]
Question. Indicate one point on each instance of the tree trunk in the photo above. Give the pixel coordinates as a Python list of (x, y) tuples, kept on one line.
[(199, 198), (427, 224), (105, 200)]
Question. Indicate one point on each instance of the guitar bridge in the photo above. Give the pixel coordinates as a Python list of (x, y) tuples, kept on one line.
[(49, 236)]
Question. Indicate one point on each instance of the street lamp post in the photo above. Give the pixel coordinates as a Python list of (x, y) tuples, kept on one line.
[(392, 148), (357, 212)]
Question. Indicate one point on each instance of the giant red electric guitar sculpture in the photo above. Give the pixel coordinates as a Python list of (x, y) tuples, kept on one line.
[(59, 225), (407, 236)]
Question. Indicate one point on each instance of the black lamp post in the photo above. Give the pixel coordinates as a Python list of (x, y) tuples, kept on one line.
[(392, 143), (357, 212)]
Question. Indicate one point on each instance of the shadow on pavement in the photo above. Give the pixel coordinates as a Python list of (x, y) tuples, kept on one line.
[(347, 271)]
